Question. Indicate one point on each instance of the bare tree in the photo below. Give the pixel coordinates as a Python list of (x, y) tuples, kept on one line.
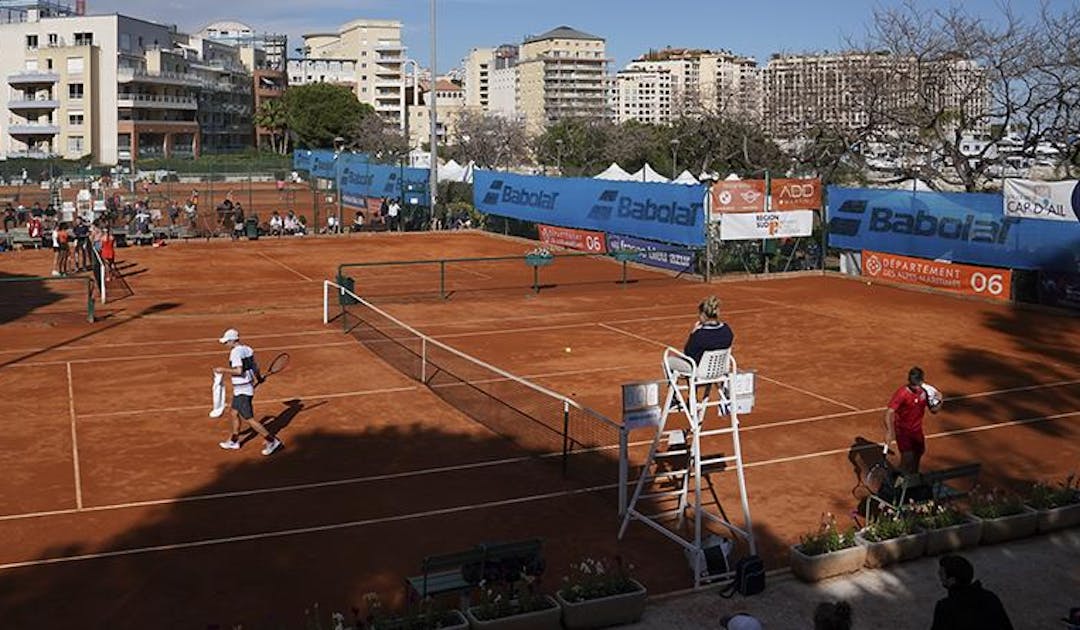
[(490, 140), (374, 136)]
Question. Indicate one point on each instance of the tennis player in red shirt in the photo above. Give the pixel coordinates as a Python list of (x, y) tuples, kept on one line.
[(903, 420)]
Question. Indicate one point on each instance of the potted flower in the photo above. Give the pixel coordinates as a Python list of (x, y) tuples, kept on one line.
[(891, 537), (516, 605), (1004, 516), (946, 527), (826, 552), (539, 257), (1058, 505), (599, 593), (422, 616), (626, 255)]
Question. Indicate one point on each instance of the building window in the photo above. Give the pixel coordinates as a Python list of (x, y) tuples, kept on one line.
[(84, 39), (125, 41), (75, 144), (75, 91), (53, 39), (75, 119), (31, 41), (75, 65)]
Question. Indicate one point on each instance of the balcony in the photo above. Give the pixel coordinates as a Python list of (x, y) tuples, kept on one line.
[(131, 75), (33, 105), (33, 155), (385, 48), (34, 77), (39, 130), (157, 101)]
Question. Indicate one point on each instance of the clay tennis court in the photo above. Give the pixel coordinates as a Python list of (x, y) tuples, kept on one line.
[(118, 507)]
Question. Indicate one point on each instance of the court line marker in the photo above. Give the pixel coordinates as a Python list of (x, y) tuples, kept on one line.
[(361, 392), (309, 530), (284, 266), (466, 508), (74, 440)]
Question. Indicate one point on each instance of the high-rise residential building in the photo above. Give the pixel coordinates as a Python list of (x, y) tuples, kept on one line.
[(857, 90), (478, 69), (561, 74), (265, 57), (365, 54), (449, 104), (703, 81), (503, 92), (226, 97), (643, 95), (112, 87)]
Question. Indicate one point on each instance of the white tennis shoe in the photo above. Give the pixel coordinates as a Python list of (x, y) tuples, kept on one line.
[(229, 445), (272, 446)]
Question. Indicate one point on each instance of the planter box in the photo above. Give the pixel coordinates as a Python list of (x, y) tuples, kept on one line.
[(1012, 527), (826, 565), (614, 610), (886, 552), (459, 623), (539, 261), (547, 619), (1059, 518), (939, 541)]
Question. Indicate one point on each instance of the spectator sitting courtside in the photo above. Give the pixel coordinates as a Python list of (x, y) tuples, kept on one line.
[(277, 224), (968, 606)]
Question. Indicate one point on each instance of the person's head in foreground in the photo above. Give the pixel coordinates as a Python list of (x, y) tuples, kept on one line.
[(955, 571), (832, 616), (230, 338), (709, 309), (915, 378), (740, 621)]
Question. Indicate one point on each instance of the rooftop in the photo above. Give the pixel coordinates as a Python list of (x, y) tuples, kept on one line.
[(562, 32)]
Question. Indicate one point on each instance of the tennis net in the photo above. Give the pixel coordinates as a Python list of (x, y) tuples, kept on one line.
[(51, 297), (108, 280), (533, 416)]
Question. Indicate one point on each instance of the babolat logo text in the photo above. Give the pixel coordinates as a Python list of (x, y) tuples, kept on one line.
[(357, 179), (649, 210), (492, 196), (528, 198), (968, 229)]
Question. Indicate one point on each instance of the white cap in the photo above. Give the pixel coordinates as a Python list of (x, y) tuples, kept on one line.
[(230, 335), (743, 622)]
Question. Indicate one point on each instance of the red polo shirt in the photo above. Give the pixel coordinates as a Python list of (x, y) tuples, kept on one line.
[(910, 407)]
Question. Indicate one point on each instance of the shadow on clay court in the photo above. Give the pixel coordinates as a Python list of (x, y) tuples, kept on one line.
[(281, 421), (374, 510), (96, 329), (22, 295)]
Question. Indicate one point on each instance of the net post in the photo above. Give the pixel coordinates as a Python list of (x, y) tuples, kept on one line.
[(325, 302), (90, 300), (565, 436), (423, 360), (624, 274), (536, 279), (442, 279), (624, 468)]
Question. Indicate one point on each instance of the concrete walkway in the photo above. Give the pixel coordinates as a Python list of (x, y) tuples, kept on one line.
[(1038, 579)]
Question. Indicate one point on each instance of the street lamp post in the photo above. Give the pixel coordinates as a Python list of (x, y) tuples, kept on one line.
[(558, 155), (433, 182), (339, 147), (406, 122), (674, 158)]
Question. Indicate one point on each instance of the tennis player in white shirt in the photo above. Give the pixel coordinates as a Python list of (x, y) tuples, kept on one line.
[(244, 372)]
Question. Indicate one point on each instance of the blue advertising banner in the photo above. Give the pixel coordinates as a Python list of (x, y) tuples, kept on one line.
[(958, 227), (364, 179), (664, 212), (654, 254), (302, 160)]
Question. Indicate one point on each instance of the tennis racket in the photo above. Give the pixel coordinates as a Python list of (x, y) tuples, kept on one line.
[(276, 366)]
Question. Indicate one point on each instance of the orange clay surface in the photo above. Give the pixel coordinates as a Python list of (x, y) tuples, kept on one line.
[(118, 509)]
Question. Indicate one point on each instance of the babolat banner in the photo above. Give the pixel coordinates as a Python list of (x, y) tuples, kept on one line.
[(957, 227), (360, 180), (662, 212), (654, 254), (302, 160)]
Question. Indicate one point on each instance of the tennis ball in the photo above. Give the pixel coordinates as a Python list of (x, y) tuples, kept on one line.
[(868, 283), (566, 349)]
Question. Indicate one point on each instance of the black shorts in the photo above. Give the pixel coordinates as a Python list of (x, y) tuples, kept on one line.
[(242, 404)]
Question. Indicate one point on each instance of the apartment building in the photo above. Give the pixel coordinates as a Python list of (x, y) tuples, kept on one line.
[(561, 74), (264, 56), (449, 104), (478, 70), (643, 95), (717, 82), (849, 90), (365, 54)]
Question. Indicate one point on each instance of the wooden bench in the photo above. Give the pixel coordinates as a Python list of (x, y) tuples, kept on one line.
[(461, 572)]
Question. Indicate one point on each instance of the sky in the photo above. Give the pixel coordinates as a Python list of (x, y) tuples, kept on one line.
[(631, 27)]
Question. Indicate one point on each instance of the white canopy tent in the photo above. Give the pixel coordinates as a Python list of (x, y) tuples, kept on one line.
[(615, 173), (451, 172), (914, 184), (649, 174), (685, 178)]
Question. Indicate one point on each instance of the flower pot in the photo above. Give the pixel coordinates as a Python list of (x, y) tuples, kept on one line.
[(625, 255), (893, 550), (826, 565), (613, 610), (538, 261), (546, 619), (451, 620), (954, 537), (1011, 527), (1053, 519)]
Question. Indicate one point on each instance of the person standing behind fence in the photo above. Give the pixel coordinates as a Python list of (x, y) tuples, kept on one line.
[(82, 245), (394, 210)]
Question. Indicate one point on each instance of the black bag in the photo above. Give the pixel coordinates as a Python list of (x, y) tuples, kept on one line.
[(749, 578)]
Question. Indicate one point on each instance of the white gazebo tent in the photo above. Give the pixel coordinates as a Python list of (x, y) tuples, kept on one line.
[(685, 178), (615, 173), (649, 174)]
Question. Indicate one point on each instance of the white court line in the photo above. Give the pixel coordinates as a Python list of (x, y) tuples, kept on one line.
[(309, 530), (761, 376), (161, 342), (362, 392), (74, 440), (807, 392), (284, 266), (463, 508), (201, 353)]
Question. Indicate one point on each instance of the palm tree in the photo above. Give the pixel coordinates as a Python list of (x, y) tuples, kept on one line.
[(271, 116)]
